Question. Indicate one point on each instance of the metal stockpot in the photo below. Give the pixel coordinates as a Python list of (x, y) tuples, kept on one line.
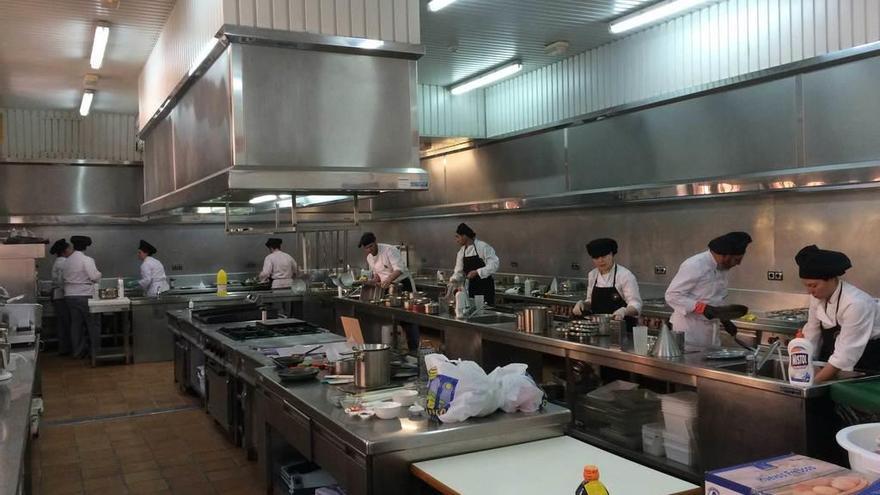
[(344, 366), (372, 367), (534, 319)]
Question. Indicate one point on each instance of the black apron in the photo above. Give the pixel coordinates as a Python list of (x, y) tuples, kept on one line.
[(870, 360), (607, 300), (478, 286)]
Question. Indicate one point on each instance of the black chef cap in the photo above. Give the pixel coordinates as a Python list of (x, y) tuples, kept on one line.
[(734, 243), (815, 263), (59, 247), (601, 247), (273, 243), (367, 239), (80, 242), (464, 230), (147, 248)]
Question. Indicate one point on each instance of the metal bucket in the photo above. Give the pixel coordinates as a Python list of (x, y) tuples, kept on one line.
[(372, 365), (534, 319)]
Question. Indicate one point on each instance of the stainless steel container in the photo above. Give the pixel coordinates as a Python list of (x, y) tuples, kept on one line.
[(534, 319), (344, 366), (108, 293), (372, 365)]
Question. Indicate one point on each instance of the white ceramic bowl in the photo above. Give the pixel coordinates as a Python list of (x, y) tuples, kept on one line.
[(387, 410), (405, 397)]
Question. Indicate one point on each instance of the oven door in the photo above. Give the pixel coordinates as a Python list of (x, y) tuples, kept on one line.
[(219, 388)]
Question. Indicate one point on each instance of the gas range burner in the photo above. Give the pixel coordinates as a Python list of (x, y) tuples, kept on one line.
[(263, 331), (796, 314)]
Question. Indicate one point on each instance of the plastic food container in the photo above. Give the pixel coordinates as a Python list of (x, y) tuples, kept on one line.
[(861, 442), (679, 449), (652, 439), (682, 426)]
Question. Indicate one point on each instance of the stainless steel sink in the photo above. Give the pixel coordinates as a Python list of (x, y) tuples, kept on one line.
[(772, 370), (492, 319)]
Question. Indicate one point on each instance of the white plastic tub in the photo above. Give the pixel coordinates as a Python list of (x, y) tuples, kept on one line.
[(679, 425), (681, 403), (680, 449), (861, 441), (652, 439)]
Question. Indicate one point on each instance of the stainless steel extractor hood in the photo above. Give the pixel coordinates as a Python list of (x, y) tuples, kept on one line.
[(272, 112)]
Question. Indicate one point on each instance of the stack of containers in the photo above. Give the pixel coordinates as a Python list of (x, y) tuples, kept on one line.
[(620, 414), (679, 419)]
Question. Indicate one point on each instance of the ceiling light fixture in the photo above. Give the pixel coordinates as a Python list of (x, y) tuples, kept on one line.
[(435, 5), (86, 105), (263, 199), (490, 77), (653, 14), (99, 45)]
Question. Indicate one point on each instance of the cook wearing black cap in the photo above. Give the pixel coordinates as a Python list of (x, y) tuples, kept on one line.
[(386, 263), (844, 321), (477, 262), (61, 249), (80, 276), (153, 280), (701, 285), (278, 266), (611, 288)]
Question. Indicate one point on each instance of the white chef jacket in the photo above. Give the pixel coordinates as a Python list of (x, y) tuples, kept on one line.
[(153, 279), (80, 275), (626, 284), (484, 251), (58, 278), (386, 262), (859, 318), (698, 280), (281, 267)]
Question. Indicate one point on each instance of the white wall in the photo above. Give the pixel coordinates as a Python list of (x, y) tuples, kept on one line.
[(727, 39)]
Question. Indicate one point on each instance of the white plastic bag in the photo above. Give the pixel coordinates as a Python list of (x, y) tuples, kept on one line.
[(459, 389), (517, 390)]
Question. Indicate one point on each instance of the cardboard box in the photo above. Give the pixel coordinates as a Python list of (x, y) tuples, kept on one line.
[(788, 475)]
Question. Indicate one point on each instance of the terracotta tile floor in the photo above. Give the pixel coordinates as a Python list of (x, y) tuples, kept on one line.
[(179, 452)]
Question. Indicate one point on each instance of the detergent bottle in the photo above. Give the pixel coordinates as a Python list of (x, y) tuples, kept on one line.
[(221, 283)]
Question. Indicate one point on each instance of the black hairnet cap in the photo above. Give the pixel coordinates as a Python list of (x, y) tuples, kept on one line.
[(80, 242), (59, 247), (733, 243), (463, 229), (273, 243), (147, 247), (367, 239), (821, 264), (601, 247)]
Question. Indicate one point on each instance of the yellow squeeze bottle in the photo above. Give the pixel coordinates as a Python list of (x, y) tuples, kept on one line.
[(591, 484), (221, 283)]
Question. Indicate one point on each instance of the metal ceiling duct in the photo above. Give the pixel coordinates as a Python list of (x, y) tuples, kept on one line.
[(272, 112)]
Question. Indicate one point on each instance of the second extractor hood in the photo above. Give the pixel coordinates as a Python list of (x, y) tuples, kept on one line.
[(286, 113)]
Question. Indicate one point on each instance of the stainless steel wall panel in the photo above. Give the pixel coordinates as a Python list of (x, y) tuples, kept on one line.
[(159, 160), (436, 193), (841, 110), (444, 114), (328, 100), (731, 133)]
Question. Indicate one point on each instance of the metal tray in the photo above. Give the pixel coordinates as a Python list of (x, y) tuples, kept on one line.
[(726, 354)]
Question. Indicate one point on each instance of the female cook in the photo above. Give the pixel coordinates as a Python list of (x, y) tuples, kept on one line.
[(475, 261), (611, 288)]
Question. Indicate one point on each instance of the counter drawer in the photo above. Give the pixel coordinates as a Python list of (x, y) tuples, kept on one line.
[(346, 464), (292, 424)]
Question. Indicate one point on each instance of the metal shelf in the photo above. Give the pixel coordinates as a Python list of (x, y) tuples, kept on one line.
[(687, 473)]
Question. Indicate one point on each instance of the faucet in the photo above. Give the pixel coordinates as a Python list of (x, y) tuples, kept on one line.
[(761, 361)]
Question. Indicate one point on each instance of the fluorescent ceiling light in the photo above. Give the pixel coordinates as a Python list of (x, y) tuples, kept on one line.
[(653, 14), (487, 78), (311, 200), (263, 199), (86, 105), (435, 5), (99, 45), (370, 44)]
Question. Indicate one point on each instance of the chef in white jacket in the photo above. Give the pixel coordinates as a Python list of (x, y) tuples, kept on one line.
[(61, 249), (80, 276), (477, 262), (701, 284), (153, 280), (386, 263), (611, 287), (278, 266), (844, 321)]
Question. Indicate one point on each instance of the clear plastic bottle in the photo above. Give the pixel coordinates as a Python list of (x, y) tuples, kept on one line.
[(591, 484)]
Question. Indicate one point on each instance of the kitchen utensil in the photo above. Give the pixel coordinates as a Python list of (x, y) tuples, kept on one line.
[(287, 361), (372, 365), (313, 349), (730, 312), (405, 397), (387, 410), (297, 374), (731, 329), (344, 367), (408, 304), (534, 319), (393, 301), (726, 354), (666, 345)]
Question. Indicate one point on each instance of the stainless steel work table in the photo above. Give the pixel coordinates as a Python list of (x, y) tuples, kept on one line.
[(15, 418), (374, 455)]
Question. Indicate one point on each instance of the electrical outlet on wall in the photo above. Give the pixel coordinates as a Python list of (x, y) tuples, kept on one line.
[(576, 266), (659, 270), (774, 275), (514, 264), (176, 268)]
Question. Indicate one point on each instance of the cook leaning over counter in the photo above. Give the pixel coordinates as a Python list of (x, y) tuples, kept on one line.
[(386, 263), (278, 266), (844, 321), (701, 285), (80, 277), (62, 249), (475, 262), (153, 280), (611, 288)]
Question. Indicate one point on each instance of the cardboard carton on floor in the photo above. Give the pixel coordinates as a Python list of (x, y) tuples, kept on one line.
[(788, 475)]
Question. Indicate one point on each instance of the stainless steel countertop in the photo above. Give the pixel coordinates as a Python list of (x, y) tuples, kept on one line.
[(277, 295), (376, 436), (15, 412), (598, 350)]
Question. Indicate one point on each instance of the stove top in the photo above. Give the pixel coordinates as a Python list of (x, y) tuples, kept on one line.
[(258, 331)]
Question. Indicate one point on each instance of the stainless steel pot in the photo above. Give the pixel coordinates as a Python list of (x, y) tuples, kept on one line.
[(534, 319), (372, 365), (432, 308), (393, 301), (408, 304), (344, 366)]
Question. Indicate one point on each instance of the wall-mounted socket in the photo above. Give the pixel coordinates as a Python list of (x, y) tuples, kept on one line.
[(774, 275), (251, 264), (576, 266), (176, 268), (659, 270), (514, 264)]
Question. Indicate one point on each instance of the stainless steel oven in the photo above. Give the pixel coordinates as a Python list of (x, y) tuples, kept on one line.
[(220, 391)]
